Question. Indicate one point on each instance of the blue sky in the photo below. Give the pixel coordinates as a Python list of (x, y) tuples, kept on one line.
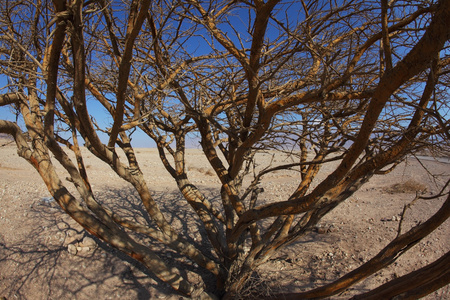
[(238, 19), (139, 139)]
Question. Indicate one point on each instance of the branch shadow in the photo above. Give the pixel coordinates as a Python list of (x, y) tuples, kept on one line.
[(179, 214), (37, 265)]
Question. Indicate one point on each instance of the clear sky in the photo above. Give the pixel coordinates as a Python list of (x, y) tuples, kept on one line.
[(139, 139)]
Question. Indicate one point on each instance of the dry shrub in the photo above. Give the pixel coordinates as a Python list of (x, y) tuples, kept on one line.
[(409, 186), (205, 171), (256, 288)]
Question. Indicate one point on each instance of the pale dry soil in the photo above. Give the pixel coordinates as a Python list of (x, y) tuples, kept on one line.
[(45, 255)]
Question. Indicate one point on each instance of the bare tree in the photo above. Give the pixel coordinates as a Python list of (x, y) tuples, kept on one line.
[(359, 82)]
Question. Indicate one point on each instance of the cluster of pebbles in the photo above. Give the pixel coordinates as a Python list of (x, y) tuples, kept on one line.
[(84, 247)]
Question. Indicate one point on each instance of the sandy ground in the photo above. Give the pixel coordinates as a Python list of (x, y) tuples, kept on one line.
[(38, 241)]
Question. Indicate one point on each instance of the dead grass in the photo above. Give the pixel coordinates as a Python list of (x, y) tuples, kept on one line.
[(202, 170), (408, 186)]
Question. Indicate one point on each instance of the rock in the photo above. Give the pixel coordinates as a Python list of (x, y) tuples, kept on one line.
[(395, 218), (89, 242), (325, 229), (332, 228), (72, 249), (83, 249), (46, 200), (62, 225), (321, 230)]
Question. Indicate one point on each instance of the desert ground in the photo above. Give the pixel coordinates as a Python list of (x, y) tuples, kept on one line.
[(46, 255)]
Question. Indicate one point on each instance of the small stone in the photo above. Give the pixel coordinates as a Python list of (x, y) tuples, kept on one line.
[(332, 228), (321, 230), (47, 200), (89, 242), (72, 249), (62, 225)]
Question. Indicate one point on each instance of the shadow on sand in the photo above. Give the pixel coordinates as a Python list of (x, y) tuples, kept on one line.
[(38, 265)]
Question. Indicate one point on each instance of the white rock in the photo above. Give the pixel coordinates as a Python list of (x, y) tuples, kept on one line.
[(89, 242), (72, 249)]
